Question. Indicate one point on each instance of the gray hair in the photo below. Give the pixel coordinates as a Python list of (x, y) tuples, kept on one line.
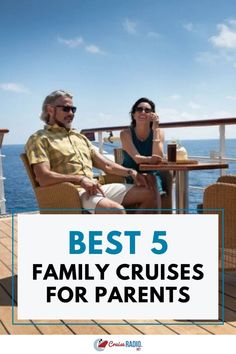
[(50, 99)]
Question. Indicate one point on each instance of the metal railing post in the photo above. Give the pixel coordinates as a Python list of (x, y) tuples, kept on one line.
[(222, 146), (2, 194), (100, 142)]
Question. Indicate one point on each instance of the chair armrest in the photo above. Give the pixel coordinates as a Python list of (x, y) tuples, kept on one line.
[(220, 195), (59, 196), (227, 179), (223, 196), (107, 179)]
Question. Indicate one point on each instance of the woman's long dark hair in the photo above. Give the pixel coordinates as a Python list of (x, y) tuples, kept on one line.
[(133, 109)]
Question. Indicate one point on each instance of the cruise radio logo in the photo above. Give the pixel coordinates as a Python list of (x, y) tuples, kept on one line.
[(100, 344)]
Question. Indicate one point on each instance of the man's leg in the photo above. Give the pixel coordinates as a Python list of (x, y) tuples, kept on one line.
[(152, 182), (111, 204), (142, 198), (120, 196), (107, 206)]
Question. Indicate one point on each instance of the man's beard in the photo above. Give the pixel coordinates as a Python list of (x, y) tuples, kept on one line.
[(65, 124)]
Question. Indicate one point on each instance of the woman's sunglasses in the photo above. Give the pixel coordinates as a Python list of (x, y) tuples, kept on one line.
[(67, 108), (142, 109)]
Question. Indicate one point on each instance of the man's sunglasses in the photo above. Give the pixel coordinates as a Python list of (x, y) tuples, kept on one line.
[(67, 108), (142, 109)]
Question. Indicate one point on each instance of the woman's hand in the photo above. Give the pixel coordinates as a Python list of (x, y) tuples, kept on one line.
[(155, 121), (155, 159)]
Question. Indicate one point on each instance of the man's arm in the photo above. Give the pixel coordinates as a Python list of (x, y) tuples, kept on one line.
[(110, 167), (46, 177)]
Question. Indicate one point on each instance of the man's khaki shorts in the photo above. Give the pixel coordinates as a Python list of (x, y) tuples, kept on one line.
[(114, 191)]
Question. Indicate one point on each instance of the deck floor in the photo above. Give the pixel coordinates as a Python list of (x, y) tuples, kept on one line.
[(92, 326)]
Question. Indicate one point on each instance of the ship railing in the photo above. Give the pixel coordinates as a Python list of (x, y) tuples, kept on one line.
[(220, 122), (98, 135), (2, 178)]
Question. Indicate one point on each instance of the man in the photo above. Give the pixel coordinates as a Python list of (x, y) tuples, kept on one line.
[(59, 154)]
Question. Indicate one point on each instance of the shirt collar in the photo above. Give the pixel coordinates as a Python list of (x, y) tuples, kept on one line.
[(56, 127)]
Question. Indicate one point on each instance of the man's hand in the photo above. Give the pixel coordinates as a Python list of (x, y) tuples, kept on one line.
[(144, 179), (92, 187), (139, 179)]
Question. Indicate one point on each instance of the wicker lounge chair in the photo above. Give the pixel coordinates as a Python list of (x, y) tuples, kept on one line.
[(61, 198), (222, 195)]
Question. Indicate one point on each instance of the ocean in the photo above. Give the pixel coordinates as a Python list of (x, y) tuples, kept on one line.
[(20, 196)]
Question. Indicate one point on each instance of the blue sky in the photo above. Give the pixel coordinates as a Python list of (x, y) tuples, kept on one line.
[(109, 53)]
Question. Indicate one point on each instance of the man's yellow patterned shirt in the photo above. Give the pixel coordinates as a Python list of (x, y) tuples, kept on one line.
[(67, 152)]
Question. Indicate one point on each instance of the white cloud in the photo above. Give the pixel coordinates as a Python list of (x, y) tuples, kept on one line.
[(79, 42), (201, 85), (196, 28), (193, 105), (208, 57), (226, 37), (175, 115), (130, 26), (233, 98), (14, 87), (222, 114), (187, 116), (232, 22), (168, 114), (153, 35), (105, 116), (71, 43), (175, 97), (224, 44), (188, 26), (93, 49)]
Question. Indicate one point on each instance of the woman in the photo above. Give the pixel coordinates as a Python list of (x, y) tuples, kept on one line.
[(143, 142)]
